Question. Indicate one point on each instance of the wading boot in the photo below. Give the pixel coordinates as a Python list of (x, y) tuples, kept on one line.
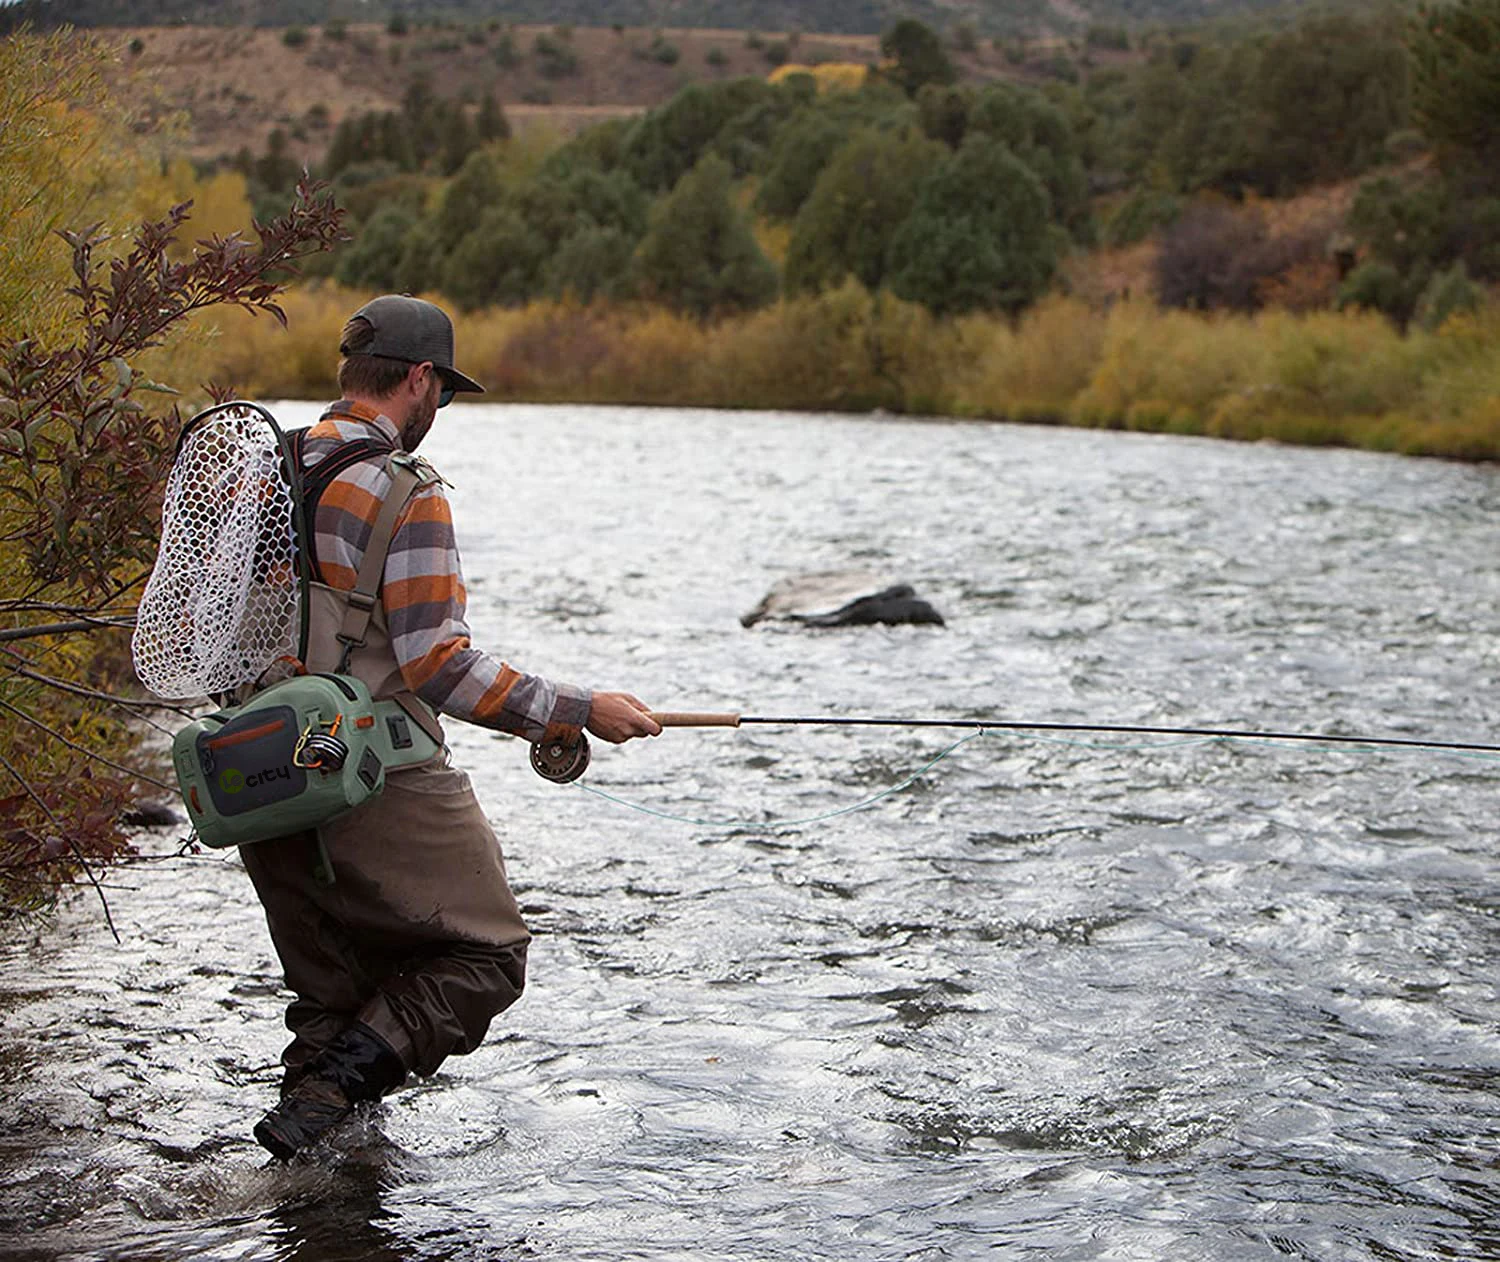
[(359, 1065)]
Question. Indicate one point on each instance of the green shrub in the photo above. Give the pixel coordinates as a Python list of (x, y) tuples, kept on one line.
[(1375, 286), (1110, 36), (1169, 364), (777, 52), (1340, 366), (555, 59), (1145, 211), (372, 260), (591, 263), (499, 263), (1060, 67), (1448, 292)]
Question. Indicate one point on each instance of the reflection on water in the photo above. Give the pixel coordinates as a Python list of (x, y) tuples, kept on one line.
[(1084, 998)]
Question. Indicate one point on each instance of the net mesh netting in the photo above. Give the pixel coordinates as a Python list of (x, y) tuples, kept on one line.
[(223, 601)]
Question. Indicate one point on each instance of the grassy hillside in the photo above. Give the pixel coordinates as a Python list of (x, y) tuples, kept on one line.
[(232, 86)]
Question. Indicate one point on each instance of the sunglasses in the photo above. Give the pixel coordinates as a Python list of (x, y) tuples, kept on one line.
[(445, 397)]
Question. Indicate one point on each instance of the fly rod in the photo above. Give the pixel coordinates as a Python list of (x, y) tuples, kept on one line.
[(562, 763)]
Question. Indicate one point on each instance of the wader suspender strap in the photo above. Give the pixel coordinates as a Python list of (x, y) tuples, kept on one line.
[(316, 480), (361, 601), (407, 474)]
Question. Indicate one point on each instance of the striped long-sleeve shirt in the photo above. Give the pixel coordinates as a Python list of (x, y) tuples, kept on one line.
[(423, 591)]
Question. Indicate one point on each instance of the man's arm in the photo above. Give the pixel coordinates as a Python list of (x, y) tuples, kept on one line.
[(425, 605)]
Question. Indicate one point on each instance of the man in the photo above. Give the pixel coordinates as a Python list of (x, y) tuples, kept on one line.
[(402, 951)]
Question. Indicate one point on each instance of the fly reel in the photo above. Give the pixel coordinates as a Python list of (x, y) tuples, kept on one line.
[(559, 762)]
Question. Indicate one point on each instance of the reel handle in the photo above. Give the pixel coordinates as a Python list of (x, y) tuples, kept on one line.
[(672, 718)]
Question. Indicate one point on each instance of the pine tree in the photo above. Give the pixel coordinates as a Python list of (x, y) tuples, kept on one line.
[(492, 123), (845, 227), (1455, 59), (700, 255), (979, 236), (918, 55)]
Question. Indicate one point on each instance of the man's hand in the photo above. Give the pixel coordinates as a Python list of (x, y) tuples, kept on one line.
[(617, 716)]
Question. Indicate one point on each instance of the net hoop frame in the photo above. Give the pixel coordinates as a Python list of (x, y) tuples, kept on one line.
[(281, 456)]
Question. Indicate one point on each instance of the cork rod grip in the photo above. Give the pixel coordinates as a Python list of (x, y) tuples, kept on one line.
[(689, 719)]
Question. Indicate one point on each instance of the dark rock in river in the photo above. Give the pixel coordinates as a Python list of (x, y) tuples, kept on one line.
[(841, 598), (151, 815)]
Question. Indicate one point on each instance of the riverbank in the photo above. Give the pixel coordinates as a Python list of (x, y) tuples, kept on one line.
[(1319, 379)]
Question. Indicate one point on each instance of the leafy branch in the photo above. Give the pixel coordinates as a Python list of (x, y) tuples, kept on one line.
[(82, 463), (82, 450)]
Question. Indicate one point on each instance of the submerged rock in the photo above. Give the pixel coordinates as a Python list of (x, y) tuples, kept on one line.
[(842, 598), (146, 814)]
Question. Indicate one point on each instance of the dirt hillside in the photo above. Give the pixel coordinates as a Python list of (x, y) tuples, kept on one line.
[(231, 86)]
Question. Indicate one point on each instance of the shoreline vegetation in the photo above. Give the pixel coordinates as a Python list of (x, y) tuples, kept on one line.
[(1318, 378)]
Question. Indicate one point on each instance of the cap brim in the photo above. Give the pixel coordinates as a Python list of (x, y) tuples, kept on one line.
[(455, 380)]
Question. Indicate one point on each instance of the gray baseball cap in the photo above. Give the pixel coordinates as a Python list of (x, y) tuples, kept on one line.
[(411, 329)]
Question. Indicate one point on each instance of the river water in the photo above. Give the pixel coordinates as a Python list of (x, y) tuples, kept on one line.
[(1066, 999)]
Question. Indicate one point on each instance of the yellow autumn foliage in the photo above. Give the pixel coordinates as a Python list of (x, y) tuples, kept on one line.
[(58, 163), (1316, 377), (830, 76)]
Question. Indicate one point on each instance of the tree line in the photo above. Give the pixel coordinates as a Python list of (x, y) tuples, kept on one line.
[(957, 196), (833, 16)]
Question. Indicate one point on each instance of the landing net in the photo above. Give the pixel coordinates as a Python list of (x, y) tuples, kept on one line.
[(223, 601)]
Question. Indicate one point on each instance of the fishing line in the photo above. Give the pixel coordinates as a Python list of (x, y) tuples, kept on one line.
[(1009, 725), (1026, 731)]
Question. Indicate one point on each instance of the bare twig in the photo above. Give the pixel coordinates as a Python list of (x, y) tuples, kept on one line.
[(63, 628), (72, 845), (87, 753), (54, 607), (133, 704)]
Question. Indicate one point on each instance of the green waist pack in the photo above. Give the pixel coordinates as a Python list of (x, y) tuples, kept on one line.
[(297, 755)]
